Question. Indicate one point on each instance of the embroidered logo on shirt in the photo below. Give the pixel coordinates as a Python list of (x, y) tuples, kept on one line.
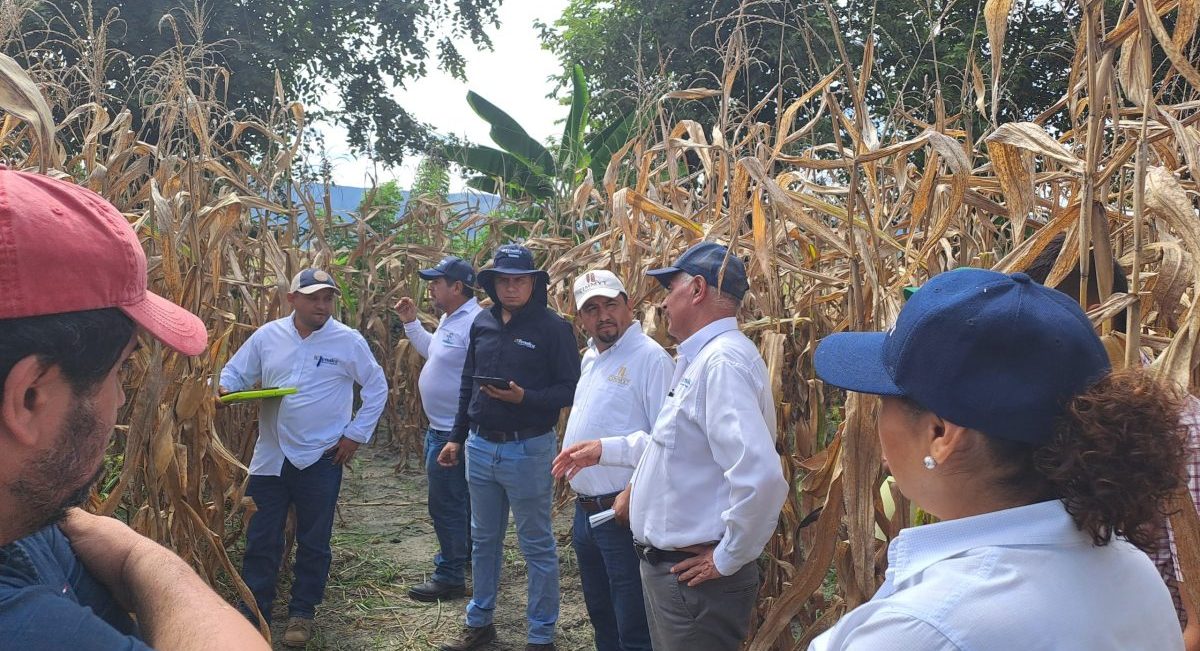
[(527, 344), (685, 383), (620, 377), (326, 361), (448, 337)]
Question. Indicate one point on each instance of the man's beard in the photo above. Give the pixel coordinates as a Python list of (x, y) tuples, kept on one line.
[(40, 490), (608, 338)]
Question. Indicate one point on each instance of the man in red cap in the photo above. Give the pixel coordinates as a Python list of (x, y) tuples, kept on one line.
[(75, 300)]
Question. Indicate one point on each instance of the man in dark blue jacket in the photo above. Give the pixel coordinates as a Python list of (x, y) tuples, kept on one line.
[(528, 360)]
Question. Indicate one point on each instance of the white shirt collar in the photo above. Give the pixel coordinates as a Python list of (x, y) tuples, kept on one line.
[(1043, 523), (692, 346), (470, 305), (291, 322), (629, 333)]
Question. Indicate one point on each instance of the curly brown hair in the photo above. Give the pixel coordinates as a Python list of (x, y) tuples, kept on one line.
[(1117, 457)]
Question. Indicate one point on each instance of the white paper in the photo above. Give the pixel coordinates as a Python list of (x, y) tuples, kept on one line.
[(597, 519)]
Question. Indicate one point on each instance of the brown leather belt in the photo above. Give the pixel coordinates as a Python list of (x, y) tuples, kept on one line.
[(596, 504), (654, 555)]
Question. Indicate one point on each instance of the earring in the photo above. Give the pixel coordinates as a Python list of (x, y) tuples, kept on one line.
[(930, 462)]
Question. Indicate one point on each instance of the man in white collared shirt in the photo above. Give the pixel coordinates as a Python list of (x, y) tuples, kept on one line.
[(708, 485), (452, 290), (303, 439), (625, 376)]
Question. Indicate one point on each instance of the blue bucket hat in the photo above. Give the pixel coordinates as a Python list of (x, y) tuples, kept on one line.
[(996, 353), (452, 268), (707, 259), (511, 260)]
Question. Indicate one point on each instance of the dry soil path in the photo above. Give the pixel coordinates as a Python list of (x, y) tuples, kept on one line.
[(383, 542)]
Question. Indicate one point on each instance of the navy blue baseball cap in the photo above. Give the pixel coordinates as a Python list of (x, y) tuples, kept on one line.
[(312, 280), (996, 353), (452, 268), (707, 259)]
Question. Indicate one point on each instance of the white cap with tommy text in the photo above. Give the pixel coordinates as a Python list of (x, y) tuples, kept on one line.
[(599, 282)]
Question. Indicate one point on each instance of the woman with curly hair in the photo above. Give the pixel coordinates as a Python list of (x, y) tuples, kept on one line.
[(1001, 416)]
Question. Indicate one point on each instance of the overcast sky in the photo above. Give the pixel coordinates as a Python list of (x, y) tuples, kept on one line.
[(512, 76)]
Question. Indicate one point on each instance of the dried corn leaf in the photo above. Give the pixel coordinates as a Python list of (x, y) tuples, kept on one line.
[(995, 16), (20, 97)]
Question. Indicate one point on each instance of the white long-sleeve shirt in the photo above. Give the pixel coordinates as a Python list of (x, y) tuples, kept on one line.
[(445, 352), (709, 472), (620, 392), (324, 367), (1022, 578)]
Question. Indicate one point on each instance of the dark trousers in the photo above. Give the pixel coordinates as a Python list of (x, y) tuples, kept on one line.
[(713, 616), (450, 510), (314, 492), (612, 584)]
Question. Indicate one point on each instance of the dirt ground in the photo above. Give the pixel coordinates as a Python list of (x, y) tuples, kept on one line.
[(383, 542)]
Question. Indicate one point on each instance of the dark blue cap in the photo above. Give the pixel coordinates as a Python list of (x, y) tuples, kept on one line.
[(707, 259), (452, 268), (511, 260), (996, 353), (312, 280)]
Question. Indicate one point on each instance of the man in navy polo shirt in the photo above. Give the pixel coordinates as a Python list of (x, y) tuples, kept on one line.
[(452, 291), (533, 357)]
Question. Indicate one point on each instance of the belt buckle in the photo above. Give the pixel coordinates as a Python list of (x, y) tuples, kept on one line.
[(650, 554)]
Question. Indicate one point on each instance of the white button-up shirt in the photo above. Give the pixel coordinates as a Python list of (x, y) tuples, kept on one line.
[(445, 352), (710, 472), (620, 392), (324, 367), (1023, 578)]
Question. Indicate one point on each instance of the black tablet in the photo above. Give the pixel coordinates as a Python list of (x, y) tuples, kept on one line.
[(496, 382)]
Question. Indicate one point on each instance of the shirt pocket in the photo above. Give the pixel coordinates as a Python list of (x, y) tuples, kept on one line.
[(666, 427), (612, 406), (322, 367), (451, 339)]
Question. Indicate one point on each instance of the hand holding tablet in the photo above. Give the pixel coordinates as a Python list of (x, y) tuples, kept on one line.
[(496, 382)]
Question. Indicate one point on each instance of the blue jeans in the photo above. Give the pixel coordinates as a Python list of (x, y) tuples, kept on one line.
[(612, 584), (314, 492), (450, 509), (515, 474)]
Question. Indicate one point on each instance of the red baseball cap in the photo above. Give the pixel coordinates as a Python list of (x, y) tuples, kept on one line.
[(63, 248)]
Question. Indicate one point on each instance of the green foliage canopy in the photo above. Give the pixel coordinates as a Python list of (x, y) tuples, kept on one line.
[(631, 46), (530, 171), (359, 49)]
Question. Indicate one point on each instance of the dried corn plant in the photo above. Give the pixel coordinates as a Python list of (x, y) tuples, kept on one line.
[(834, 229), (833, 226), (225, 224)]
